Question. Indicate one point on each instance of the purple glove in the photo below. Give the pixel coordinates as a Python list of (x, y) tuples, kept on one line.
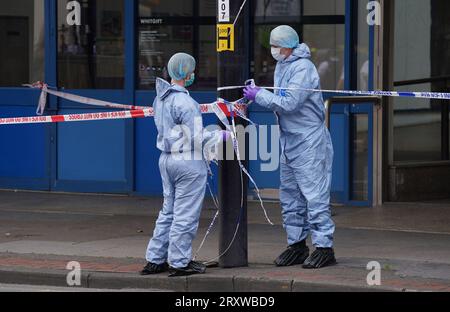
[(251, 92), (226, 135)]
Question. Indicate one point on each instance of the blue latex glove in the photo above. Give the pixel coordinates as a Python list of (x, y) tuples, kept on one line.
[(250, 92)]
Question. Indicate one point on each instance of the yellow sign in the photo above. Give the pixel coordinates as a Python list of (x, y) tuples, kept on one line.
[(225, 37)]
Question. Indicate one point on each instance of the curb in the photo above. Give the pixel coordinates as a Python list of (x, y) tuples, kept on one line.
[(39, 277), (198, 283)]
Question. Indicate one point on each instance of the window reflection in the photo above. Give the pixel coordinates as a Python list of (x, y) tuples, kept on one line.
[(22, 42), (417, 127), (156, 45), (324, 7), (91, 56), (417, 123), (360, 157), (166, 8), (264, 64), (327, 48), (207, 7), (270, 11), (168, 27), (363, 47)]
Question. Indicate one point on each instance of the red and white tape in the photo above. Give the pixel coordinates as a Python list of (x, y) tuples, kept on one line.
[(139, 113), (131, 111)]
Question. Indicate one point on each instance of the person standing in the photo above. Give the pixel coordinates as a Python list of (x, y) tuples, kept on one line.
[(181, 139), (307, 151)]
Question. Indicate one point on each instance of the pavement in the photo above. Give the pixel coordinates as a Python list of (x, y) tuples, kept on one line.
[(40, 233), (13, 288)]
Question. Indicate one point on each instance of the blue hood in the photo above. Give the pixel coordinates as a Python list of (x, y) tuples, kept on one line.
[(163, 88), (301, 51)]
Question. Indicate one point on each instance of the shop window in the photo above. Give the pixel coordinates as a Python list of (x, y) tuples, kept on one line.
[(324, 7), (22, 42), (417, 127), (324, 36), (171, 26), (421, 63), (91, 55), (363, 63), (327, 44)]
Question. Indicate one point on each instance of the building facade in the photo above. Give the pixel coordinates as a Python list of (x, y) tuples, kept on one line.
[(392, 149)]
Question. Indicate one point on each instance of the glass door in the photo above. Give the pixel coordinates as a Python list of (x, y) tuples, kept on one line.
[(351, 127), (164, 28), (91, 61), (321, 24), (351, 118), (23, 43)]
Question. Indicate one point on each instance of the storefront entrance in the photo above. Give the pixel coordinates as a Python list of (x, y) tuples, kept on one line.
[(116, 54)]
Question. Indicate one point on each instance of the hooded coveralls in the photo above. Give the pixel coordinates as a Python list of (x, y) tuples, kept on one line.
[(307, 151), (181, 138)]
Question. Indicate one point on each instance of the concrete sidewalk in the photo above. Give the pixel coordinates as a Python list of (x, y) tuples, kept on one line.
[(40, 233)]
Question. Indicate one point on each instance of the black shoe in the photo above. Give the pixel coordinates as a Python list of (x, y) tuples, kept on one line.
[(293, 255), (192, 268), (152, 268), (320, 258)]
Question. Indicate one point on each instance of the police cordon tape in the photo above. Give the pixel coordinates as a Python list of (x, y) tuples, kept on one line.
[(204, 108), (131, 111), (140, 113), (419, 95), (129, 114)]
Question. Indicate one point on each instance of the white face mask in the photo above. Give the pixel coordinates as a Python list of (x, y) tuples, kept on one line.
[(276, 54)]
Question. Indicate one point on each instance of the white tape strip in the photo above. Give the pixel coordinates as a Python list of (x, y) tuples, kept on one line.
[(420, 95), (232, 128), (204, 108), (42, 101)]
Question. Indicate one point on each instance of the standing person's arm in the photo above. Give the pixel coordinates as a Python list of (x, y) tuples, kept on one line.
[(302, 79), (189, 116)]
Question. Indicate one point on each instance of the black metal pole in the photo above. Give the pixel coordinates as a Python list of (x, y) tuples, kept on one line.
[(233, 70)]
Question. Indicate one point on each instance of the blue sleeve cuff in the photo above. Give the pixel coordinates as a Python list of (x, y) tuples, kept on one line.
[(264, 98)]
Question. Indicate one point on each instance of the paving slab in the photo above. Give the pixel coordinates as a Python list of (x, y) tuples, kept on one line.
[(40, 233)]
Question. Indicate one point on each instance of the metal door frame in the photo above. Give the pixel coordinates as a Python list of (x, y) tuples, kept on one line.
[(350, 106)]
